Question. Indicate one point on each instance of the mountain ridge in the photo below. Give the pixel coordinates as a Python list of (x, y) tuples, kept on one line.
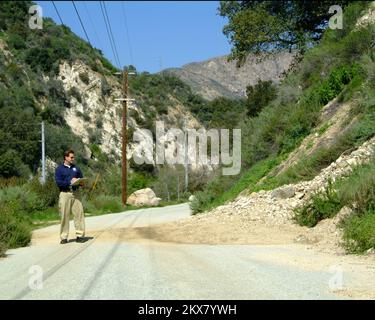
[(215, 77)]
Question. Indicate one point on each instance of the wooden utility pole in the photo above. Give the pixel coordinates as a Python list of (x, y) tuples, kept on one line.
[(124, 135), (124, 101)]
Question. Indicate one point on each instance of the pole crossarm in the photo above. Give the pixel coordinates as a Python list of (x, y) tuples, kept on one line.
[(124, 99)]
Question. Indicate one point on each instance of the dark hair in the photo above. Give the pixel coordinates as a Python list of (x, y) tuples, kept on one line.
[(67, 153)]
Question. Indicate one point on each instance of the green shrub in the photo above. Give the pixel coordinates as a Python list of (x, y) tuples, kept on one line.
[(89, 207), (222, 113), (47, 193), (59, 139), (38, 89), (54, 114), (109, 182), (10, 164), (335, 83), (104, 204), (11, 182), (357, 43), (6, 99), (359, 232), (12, 16), (49, 52), (322, 205), (107, 65), (138, 181), (20, 199), (24, 98), (105, 87), (16, 74), (358, 190), (3, 246), (202, 198), (15, 231), (16, 41), (258, 96), (56, 92), (39, 58)]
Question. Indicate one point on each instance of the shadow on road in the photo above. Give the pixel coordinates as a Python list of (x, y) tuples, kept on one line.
[(84, 239)]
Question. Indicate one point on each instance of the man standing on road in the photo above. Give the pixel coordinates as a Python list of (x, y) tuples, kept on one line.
[(69, 199)]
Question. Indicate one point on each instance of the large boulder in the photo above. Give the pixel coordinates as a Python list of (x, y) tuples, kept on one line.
[(143, 197), (191, 198), (283, 193)]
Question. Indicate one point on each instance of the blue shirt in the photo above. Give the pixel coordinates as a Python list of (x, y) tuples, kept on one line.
[(64, 175)]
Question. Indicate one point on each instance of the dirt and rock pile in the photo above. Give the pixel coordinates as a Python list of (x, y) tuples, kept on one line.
[(276, 206)]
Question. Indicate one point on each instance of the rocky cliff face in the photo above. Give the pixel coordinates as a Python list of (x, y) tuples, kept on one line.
[(218, 77), (89, 107), (95, 116)]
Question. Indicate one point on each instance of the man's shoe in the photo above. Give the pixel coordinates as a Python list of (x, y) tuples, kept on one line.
[(80, 239), (64, 241)]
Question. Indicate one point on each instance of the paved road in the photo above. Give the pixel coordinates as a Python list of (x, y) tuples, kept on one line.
[(111, 268)]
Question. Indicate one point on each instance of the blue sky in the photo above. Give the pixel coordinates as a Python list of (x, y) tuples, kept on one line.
[(162, 34)]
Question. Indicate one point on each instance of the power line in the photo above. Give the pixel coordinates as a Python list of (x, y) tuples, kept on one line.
[(57, 11), (21, 124), (127, 32), (92, 25), (111, 34), (19, 142), (83, 27), (16, 126), (113, 38)]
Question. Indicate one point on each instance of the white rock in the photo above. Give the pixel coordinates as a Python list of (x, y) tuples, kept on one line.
[(191, 198), (143, 197)]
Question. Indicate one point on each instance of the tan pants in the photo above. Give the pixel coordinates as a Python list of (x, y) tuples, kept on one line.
[(70, 202)]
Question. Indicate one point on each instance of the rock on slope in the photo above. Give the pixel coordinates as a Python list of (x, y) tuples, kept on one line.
[(276, 206)]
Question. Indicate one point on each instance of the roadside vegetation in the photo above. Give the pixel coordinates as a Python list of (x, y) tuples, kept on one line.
[(27, 204), (355, 191), (341, 66)]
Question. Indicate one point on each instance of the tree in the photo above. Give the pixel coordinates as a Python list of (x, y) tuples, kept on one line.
[(268, 26), (39, 58), (16, 41), (259, 96), (13, 13), (131, 68), (221, 113), (21, 131), (9, 164)]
